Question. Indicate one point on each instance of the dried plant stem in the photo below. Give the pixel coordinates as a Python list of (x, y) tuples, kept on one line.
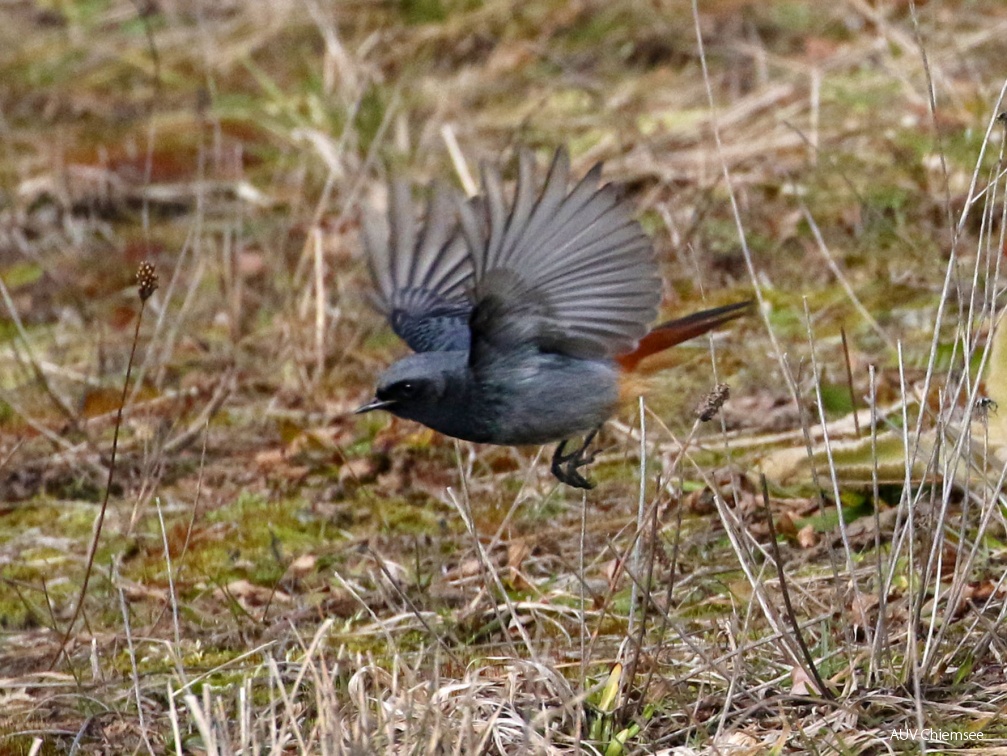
[(148, 282), (798, 635), (841, 277), (640, 510), (849, 381), (36, 369), (648, 601), (431, 633)]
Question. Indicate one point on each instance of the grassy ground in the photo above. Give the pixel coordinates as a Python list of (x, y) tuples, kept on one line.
[(276, 575)]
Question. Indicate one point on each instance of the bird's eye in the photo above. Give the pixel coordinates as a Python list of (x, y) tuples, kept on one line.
[(400, 391)]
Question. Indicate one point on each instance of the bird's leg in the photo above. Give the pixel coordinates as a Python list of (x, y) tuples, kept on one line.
[(565, 466)]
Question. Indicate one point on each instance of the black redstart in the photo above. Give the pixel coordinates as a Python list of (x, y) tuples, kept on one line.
[(526, 320)]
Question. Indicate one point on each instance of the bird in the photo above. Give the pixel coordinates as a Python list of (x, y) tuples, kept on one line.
[(528, 319)]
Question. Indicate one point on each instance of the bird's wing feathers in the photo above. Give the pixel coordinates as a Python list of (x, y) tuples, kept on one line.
[(571, 272), (422, 276), (567, 271)]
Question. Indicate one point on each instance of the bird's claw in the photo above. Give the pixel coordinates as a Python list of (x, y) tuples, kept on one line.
[(566, 466)]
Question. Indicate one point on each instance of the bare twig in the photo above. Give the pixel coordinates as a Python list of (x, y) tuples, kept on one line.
[(146, 279), (791, 615)]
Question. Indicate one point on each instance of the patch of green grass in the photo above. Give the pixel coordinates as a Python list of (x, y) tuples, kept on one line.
[(861, 92), (14, 741), (252, 538), (611, 26), (836, 398), (434, 11), (371, 114), (423, 11)]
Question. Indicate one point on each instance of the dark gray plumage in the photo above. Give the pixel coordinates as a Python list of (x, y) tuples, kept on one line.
[(517, 312), (421, 280)]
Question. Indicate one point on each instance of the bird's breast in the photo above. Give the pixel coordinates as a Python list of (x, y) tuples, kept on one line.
[(545, 398)]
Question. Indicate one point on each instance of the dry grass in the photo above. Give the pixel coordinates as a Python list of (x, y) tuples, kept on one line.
[(276, 576)]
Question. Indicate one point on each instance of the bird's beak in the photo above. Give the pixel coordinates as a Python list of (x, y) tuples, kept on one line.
[(374, 404)]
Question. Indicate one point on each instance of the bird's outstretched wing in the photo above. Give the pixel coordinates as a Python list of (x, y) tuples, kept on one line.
[(568, 271), (422, 276)]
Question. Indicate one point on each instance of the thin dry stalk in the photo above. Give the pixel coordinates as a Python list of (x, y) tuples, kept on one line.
[(582, 624), (646, 588), (141, 718), (172, 595), (844, 534), (146, 279), (914, 596), (746, 560), (59, 402), (841, 277), (849, 381), (320, 303), (735, 211), (957, 231), (640, 507), (458, 160), (431, 633), (881, 643), (810, 666), (962, 455), (489, 570)]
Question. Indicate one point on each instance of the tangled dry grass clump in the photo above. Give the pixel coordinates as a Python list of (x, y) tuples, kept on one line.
[(203, 551)]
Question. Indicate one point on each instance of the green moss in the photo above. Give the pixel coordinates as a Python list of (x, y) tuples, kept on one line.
[(14, 743), (860, 92), (423, 11), (836, 398), (794, 18), (434, 11), (606, 27), (398, 515), (371, 114), (22, 274)]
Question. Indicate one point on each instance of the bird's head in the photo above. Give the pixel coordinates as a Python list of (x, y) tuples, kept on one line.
[(415, 386)]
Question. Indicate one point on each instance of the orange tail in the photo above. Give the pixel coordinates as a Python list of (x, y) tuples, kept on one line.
[(676, 331)]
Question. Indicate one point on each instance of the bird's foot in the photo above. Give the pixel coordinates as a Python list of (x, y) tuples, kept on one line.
[(566, 466)]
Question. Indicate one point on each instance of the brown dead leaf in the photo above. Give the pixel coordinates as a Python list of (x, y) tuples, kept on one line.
[(360, 470), (322, 439), (101, 401), (765, 411), (800, 680), (700, 502), (803, 507), (980, 591), (517, 551), (612, 572), (738, 744), (274, 463), (862, 532), (250, 263), (143, 592), (785, 525), (289, 430), (302, 566), (818, 49), (251, 596), (861, 609), (748, 503), (270, 458), (740, 589), (949, 564), (121, 316), (807, 537), (468, 568)]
